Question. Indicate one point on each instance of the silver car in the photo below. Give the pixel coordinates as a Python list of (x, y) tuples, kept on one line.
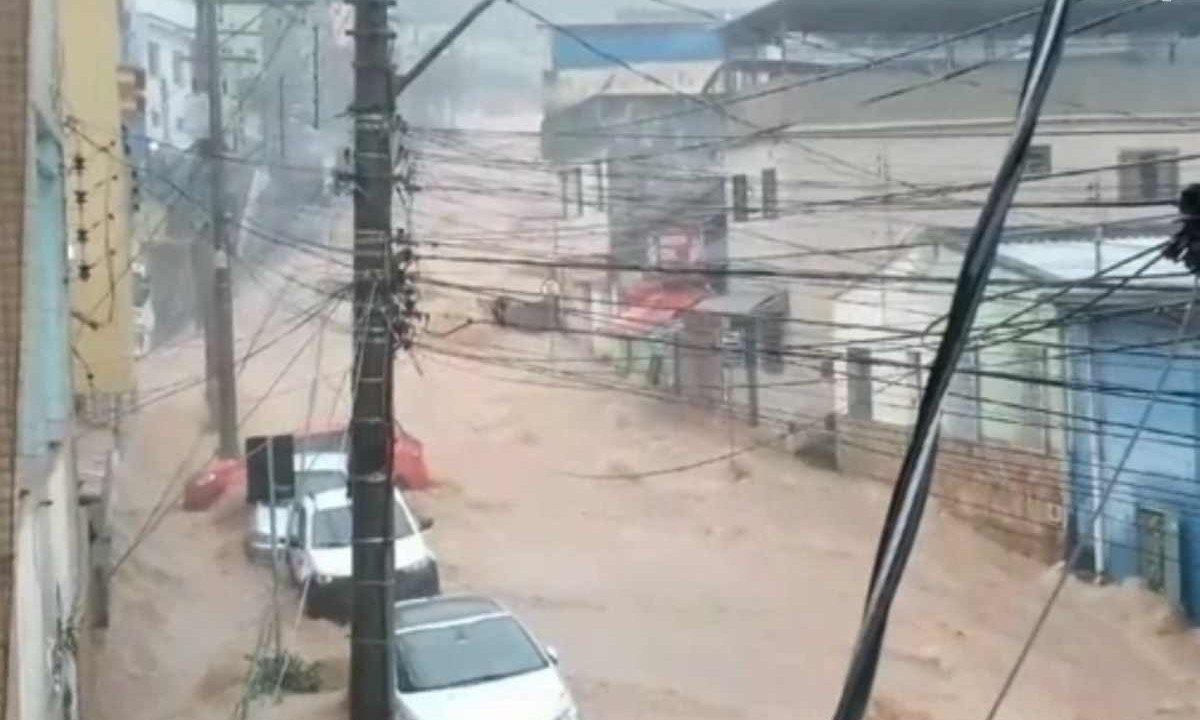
[(467, 657), (315, 472)]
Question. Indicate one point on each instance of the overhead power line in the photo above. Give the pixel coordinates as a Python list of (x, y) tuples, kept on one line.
[(912, 486)]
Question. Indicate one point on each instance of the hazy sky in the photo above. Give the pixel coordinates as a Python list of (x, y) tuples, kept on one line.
[(583, 10)]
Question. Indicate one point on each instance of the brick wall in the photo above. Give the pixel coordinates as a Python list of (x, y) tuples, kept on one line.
[(1011, 495), (14, 34)]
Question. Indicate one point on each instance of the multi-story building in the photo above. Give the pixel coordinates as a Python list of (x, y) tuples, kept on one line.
[(161, 40), (163, 34), (98, 220), (42, 596), (606, 125), (844, 156)]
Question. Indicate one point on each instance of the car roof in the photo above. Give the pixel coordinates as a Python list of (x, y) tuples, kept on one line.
[(445, 609), (338, 498), (320, 462), (329, 499)]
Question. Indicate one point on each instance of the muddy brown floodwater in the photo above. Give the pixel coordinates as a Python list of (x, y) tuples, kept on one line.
[(720, 592)]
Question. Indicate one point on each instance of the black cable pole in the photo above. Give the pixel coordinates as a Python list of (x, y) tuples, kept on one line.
[(371, 657), (912, 487)]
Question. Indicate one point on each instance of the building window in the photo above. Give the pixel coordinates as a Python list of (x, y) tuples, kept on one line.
[(179, 124), (770, 193), (179, 69), (858, 383), (1148, 175), (152, 58), (772, 332), (914, 363), (155, 118), (578, 176), (564, 193), (598, 167), (741, 198), (1037, 161), (625, 361), (826, 368), (1033, 430), (961, 418)]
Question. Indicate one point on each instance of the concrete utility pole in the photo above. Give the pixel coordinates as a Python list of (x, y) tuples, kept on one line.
[(219, 328), (372, 676)]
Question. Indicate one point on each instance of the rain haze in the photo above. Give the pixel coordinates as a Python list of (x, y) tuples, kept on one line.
[(601, 359)]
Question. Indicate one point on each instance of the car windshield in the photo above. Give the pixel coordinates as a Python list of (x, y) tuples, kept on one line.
[(466, 654), (334, 527), (311, 482)]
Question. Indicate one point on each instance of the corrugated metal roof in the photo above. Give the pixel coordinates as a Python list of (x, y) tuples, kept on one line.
[(934, 16), (1081, 259), (736, 303)]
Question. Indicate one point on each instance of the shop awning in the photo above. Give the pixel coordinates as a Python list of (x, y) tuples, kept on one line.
[(655, 309), (736, 303)]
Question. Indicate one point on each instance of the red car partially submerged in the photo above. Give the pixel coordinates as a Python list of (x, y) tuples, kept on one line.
[(409, 471)]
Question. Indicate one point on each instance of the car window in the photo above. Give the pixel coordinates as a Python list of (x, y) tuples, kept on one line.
[(296, 524), (312, 482), (464, 654), (335, 527), (401, 526), (332, 528)]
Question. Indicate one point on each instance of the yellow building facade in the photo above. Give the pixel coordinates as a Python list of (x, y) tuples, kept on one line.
[(98, 179)]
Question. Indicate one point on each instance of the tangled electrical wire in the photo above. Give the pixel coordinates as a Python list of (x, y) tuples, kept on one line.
[(912, 488), (1185, 243)]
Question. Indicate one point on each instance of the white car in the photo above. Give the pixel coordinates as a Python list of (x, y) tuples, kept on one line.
[(320, 552), (467, 657), (315, 472)]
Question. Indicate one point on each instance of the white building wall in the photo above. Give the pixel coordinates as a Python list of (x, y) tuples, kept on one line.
[(165, 30), (901, 325), (830, 185), (176, 115), (581, 235), (572, 86), (50, 596), (241, 63)]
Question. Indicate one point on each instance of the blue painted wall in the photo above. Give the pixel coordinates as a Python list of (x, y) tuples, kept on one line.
[(635, 43), (46, 370), (1161, 469)]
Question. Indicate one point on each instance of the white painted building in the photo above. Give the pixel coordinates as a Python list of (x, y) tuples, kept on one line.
[(580, 237), (165, 32), (163, 36), (849, 173)]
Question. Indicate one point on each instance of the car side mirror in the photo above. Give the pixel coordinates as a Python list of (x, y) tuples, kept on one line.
[(424, 523), (552, 654)]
